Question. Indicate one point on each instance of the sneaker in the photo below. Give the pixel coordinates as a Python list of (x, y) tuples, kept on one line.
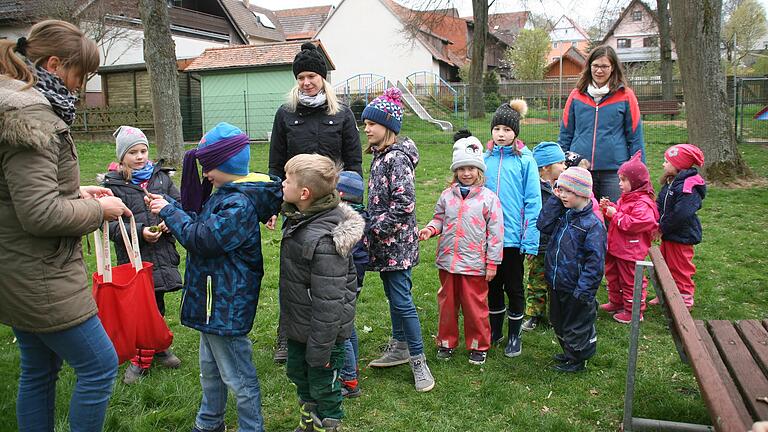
[(281, 352), (422, 376), (531, 323), (444, 353), (133, 373), (168, 359), (654, 302), (477, 357), (611, 308), (220, 428), (571, 366), (350, 389), (395, 353), (625, 317)]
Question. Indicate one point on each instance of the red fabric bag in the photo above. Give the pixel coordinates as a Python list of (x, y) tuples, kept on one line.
[(125, 296)]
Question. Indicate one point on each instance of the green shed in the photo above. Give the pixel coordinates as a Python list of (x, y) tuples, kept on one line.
[(245, 85)]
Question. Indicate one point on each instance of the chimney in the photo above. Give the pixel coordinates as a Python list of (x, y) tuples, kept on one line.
[(247, 4)]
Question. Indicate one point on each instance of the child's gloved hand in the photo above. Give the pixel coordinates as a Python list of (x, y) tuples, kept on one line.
[(156, 202)]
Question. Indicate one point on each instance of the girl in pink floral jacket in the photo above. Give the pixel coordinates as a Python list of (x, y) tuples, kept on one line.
[(469, 221)]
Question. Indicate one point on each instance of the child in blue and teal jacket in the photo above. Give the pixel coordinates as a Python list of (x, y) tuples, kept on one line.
[(512, 174), (575, 264), (224, 268)]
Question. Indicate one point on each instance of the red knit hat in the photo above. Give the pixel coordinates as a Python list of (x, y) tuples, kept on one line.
[(684, 156), (636, 172)]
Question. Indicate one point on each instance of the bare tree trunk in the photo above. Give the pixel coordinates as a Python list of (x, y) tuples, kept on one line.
[(665, 49), (477, 65), (697, 35), (160, 57)]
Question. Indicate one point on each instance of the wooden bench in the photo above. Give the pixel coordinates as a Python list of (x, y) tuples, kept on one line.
[(729, 359), (669, 107)]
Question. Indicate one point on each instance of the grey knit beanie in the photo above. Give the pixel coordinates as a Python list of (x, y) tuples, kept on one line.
[(127, 137)]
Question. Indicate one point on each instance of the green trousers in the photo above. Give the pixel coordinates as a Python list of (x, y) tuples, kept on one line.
[(317, 385), (537, 288)]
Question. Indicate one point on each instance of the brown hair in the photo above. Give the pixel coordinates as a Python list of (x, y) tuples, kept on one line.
[(390, 137), (126, 172), (315, 172), (617, 70), (47, 39)]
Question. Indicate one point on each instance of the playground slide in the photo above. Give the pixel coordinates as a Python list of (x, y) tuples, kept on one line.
[(416, 107)]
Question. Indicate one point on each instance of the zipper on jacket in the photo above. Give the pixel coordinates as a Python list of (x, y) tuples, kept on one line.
[(664, 206), (208, 299), (455, 236), (594, 137), (498, 171), (557, 253)]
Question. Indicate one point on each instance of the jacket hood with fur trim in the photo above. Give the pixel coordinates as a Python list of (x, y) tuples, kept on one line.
[(26, 118)]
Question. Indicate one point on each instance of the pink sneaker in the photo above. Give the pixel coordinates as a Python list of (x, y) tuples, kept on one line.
[(611, 308), (654, 302), (625, 317)]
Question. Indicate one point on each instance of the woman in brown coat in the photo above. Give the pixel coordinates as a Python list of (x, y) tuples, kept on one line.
[(45, 293)]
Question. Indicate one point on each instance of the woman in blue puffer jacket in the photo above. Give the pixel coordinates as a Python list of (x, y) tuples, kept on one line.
[(601, 121)]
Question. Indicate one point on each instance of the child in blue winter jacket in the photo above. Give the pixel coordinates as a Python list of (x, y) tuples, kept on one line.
[(512, 174), (575, 263), (682, 192), (351, 187), (221, 234)]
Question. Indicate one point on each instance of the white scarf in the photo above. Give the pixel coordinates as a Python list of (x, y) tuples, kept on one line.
[(312, 101), (598, 93)]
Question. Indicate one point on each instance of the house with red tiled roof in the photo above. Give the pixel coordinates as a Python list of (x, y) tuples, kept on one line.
[(399, 41), (302, 23), (506, 26), (244, 85)]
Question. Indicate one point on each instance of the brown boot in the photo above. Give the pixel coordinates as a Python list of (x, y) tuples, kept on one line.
[(326, 425)]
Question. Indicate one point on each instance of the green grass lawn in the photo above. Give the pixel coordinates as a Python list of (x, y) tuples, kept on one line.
[(520, 394)]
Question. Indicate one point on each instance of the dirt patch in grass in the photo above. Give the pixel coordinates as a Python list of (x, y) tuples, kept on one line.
[(537, 121), (743, 183)]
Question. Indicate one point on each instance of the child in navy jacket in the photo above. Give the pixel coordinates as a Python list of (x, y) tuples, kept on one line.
[(682, 192), (224, 268), (575, 263)]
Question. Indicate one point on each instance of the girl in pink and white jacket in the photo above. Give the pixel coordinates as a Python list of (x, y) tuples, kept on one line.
[(632, 225), (470, 223)]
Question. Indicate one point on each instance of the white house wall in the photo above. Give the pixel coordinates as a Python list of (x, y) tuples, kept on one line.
[(129, 49), (363, 36)]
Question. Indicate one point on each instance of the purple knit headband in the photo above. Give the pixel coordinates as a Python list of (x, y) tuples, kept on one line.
[(195, 193)]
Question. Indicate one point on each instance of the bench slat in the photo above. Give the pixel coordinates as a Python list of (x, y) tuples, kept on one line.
[(722, 370), (744, 369), (756, 338), (722, 409)]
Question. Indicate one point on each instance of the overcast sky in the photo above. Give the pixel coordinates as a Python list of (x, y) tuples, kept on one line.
[(583, 11)]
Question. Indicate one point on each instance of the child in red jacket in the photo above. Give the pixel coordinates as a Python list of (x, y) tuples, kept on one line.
[(631, 228)]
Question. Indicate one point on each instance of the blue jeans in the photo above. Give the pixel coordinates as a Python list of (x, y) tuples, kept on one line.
[(88, 350), (349, 371), (402, 311), (605, 183), (225, 363)]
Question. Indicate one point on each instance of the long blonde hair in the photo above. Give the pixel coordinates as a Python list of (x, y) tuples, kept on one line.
[(330, 96), (47, 39), (390, 137)]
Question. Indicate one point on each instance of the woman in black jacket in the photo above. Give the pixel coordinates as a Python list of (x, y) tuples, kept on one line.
[(312, 121)]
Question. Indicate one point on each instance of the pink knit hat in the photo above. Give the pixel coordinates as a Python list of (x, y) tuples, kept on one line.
[(637, 173), (684, 156)]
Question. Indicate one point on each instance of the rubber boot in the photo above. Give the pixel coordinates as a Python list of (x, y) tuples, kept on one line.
[(497, 326), (514, 343)]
